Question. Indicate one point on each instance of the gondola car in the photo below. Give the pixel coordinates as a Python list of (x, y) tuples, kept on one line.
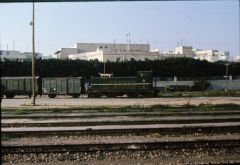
[(141, 85), (11, 86), (53, 86)]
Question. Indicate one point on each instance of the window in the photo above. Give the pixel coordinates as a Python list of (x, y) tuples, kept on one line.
[(118, 59)]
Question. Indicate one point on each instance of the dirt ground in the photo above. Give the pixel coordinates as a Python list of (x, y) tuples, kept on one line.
[(84, 101)]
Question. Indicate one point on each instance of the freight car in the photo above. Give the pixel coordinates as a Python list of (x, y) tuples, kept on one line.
[(73, 86), (11, 86), (141, 85)]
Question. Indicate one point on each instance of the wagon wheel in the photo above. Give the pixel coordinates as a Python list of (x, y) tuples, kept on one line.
[(109, 95), (75, 95), (91, 95), (148, 94), (52, 95), (131, 95), (9, 96)]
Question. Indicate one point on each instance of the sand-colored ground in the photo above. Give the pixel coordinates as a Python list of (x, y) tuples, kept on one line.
[(83, 101)]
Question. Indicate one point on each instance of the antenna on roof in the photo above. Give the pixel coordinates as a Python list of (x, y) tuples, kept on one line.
[(114, 44), (128, 41)]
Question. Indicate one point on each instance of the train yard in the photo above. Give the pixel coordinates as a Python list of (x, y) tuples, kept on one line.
[(156, 134)]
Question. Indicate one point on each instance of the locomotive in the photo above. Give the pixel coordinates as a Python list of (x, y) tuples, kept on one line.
[(139, 86)]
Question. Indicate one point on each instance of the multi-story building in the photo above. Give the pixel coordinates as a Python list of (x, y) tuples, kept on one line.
[(17, 55), (211, 55), (108, 52)]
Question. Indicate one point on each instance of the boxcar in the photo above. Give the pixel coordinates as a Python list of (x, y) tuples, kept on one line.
[(11, 86), (73, 86), (141, 85)]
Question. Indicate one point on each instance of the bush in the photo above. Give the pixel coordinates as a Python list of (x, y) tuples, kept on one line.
[(200, 85)]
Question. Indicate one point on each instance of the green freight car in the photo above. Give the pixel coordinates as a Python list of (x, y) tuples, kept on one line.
[(73, 86), (11, 86), (141, 85)]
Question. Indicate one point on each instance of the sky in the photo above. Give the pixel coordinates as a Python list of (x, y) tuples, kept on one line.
[(162, 24)]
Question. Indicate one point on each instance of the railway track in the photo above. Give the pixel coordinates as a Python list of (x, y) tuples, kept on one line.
[(111, 147), (51, 115), (98, 123), (163, 129)]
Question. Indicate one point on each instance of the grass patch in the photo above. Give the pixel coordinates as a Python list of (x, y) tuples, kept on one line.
[(20, 112), (133, 108), (5, 137)]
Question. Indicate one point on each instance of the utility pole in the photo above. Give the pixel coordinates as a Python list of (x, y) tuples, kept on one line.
[(33, 59)]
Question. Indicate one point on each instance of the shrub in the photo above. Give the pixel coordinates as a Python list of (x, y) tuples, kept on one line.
[(200, 85)]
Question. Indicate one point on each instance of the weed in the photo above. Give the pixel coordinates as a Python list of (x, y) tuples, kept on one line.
[(5, 137), (20, 112)]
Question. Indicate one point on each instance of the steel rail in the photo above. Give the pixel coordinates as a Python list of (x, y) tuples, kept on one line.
[(108, 114), (170, 145), (125, 131), (98, 123)]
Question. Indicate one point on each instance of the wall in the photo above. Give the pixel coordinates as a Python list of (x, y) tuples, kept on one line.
[(215, 84)]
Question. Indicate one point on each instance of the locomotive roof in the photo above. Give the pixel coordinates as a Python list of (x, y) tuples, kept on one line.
[(36, 77)]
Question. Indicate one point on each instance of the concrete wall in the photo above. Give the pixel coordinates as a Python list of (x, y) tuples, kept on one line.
[(88, 56), (66, 51), (215, 84), (221, 84), (128, 57)]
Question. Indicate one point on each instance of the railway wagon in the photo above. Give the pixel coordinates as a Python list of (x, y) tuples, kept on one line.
[(11, 86), (141, 85), (73, 86)]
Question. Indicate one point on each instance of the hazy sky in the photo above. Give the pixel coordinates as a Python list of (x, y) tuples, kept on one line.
[(201, 24)]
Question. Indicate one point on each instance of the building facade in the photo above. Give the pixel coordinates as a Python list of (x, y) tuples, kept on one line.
[(108, 52), (211, 55), (17, 55)]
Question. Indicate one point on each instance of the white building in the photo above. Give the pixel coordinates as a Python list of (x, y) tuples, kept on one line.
[(211, 55), (17, 55), (104, 56), (47, 57), (108, 52), (188, 51), (238, 59)]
